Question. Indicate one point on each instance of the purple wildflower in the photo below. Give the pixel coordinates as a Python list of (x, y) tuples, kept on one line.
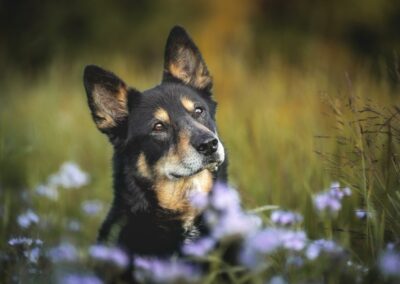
[(27, 219), (30, 248), (277, 280), (32, 254), (199, 200), (269, 241), (225, 216), (235, 224), (92, 207), (316, 248), (63, 252), (347, 191), (389, 262), (335, 190), (50, 192), (330, 200), (199, 247), (324, 201), (165, 271), (285, 218), (294, 240), (80, 279), (69, 176), (23, 241), (225, 198), (357, 267), (362, 214), (109, 254), (339, 192)]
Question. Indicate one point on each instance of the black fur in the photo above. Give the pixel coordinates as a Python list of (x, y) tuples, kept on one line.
[(136, 220)]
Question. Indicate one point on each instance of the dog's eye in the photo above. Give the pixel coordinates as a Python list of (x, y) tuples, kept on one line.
[(158, 127), (198, 111)]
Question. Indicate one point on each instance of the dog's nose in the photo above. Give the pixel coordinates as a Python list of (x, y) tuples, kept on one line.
[(208, 146)]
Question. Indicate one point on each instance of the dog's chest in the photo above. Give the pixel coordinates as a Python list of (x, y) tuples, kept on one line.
[(174, 195)]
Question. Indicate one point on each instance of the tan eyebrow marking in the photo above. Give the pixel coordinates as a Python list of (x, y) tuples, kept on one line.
[(162, 115), (187, 104)]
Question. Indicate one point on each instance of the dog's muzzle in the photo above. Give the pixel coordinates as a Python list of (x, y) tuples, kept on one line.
[(206, 152)]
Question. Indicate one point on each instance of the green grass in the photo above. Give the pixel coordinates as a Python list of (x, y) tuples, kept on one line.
[(289, 132)]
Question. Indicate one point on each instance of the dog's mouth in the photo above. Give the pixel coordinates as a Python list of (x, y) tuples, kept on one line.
[(177, 176), (212, 167)]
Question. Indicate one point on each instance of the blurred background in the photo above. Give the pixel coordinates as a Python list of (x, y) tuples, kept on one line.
[(278, 68)]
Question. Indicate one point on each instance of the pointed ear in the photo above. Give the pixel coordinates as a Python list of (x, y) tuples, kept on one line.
[(183, 61), (107, 98)]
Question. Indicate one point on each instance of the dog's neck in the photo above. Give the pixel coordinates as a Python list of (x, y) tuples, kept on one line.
[(163, 194), (174, 195)]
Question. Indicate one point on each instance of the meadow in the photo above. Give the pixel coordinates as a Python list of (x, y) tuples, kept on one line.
[(320, 138)]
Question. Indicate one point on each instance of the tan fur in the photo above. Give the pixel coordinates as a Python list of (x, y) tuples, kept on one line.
[(122, 97), (174, 195), (202, 79), (162, 115), (109, 111), (104, 121), (143, 167), (183, 144), (176, 70), (187, 104), (199, 79)]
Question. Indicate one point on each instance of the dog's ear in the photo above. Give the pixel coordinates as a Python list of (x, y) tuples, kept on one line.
[(183, 61), (107, 98)]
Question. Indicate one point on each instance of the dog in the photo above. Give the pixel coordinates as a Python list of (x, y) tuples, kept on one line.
[(166, 148)]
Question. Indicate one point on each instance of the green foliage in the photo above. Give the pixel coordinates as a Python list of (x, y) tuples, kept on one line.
[(289, 132), (366, 158)]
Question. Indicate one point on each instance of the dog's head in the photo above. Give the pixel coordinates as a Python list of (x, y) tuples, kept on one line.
[(168, 131)]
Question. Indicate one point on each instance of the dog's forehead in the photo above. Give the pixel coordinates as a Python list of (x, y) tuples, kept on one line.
[(172, 97)]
